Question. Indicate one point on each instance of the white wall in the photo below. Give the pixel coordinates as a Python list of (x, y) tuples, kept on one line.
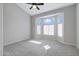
[(16, 24), (1, 29), (70, 25), (77, 25)]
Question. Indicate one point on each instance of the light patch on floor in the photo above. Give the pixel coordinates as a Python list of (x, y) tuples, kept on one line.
[(36, 42), (47, 47)]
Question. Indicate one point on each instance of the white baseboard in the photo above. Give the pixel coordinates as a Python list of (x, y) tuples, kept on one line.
[(12, 42), (67, 43)]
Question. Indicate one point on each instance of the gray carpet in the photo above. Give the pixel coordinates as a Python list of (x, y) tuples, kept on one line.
[(40, 47)]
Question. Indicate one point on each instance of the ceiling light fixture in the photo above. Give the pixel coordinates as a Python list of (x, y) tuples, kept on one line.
[(35, 5)]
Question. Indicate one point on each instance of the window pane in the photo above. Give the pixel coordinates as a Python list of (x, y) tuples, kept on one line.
[(60, 25), (48, 29), (48, 26), (51, 29), (38, 29), (60, 30), (45, 29), (60, 19), (48, 21)]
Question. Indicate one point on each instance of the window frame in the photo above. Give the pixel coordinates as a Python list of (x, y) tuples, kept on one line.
[(51, 15)]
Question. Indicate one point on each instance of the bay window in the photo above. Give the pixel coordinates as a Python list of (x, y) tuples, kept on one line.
[(52, 25)]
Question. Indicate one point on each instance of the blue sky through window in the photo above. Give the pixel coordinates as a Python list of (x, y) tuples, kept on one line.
[(60, 19), (49, 21)]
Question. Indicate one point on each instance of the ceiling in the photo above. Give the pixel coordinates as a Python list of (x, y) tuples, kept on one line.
[(44, 8)]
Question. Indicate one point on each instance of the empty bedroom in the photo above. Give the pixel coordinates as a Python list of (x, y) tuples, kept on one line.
[(40, 29)]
